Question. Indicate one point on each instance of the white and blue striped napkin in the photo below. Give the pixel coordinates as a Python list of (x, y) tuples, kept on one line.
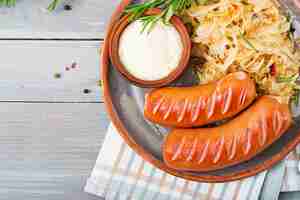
[(120, 173)]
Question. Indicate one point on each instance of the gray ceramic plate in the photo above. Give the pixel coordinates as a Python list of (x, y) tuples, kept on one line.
[(125, 102)]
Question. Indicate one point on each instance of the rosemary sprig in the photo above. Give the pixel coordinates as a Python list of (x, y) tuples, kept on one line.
[(53, 5), (8, 3), (168, 7), (11, 3)]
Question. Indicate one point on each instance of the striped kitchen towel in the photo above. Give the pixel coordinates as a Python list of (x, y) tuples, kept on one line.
[(291, 178), (120, 173)]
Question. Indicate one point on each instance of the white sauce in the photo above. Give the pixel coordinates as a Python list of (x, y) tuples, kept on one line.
[(150, 56)]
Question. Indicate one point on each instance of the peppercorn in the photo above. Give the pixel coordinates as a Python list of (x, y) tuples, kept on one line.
[(100, 83), (57, 75), (86, 91), (73, 65), (273, 70), (67, 7)]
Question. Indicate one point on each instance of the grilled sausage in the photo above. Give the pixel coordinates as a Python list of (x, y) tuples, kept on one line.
[(200, 105), (207, 149)]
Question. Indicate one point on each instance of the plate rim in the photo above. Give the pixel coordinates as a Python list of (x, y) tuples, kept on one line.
[(105, 63)]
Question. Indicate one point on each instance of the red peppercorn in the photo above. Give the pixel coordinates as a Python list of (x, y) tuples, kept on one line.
[(74, 65), (67, 68), (273, 70)]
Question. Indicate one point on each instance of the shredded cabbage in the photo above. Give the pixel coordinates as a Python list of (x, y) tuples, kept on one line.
[(246, 35)]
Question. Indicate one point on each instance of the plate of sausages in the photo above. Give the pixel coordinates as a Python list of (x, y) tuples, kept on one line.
[(222, 128)]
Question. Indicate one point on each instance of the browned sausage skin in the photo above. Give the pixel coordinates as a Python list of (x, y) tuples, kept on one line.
[(207, 149), (200, 105)]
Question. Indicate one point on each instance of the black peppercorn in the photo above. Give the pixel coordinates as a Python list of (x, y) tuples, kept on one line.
[(292, 30), (86, 91), (57, 75), (67, 7)]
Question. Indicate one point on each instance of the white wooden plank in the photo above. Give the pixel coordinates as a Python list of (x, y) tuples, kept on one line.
[(28, 68), (48, 150), (31, 19)]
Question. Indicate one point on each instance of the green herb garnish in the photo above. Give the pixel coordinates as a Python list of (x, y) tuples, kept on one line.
[(295, 98), (8, 3), (242, 35), (11, 3), (285, 79), (53, 5), (168, 8)]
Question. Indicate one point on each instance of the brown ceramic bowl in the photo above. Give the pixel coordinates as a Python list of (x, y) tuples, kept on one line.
[(114, 40)]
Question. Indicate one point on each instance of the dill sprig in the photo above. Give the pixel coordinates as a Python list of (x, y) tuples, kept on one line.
[(168, 8)]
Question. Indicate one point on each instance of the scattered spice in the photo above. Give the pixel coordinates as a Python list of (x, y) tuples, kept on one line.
[(74, 65), (67, 7), (100, 83), (86, 91), (273, 70), (67, 68), (57, 75)]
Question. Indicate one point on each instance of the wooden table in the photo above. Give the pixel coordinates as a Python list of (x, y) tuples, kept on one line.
[(52, 120), (51, 128)]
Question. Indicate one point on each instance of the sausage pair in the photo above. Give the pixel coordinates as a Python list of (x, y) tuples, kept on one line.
[(207, 149)]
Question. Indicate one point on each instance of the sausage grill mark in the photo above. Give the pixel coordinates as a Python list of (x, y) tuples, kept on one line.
[(204, 152), (227, 100), (182, 114), (217, 156), (170, 108), (264, 130), (277, 122), (243, 96), (179, 149), (193, 151), (233, 149), (199, 106), (211, 105), (157, 106), (248, 142)]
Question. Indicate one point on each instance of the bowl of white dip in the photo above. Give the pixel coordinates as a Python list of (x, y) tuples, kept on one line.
[(151, 58)]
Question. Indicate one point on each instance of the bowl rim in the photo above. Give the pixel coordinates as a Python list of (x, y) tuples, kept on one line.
[(114, 40), (105, 64)]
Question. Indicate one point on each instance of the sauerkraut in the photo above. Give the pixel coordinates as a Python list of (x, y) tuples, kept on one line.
[(246, 35)]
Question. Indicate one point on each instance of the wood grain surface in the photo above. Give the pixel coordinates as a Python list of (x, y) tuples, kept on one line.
[(51, 131), (49, 149), (51, 128), (28, 71), (31, 19)]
